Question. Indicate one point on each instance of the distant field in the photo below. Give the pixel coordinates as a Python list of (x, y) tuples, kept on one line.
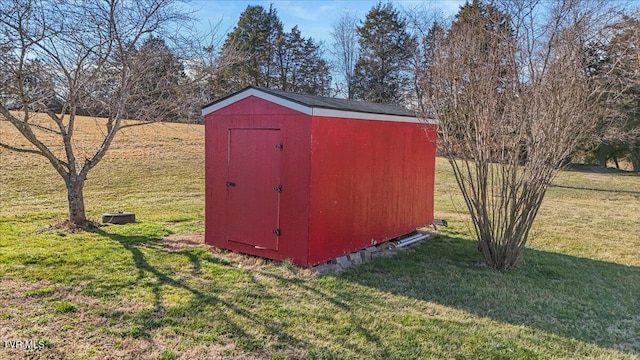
[(152, 290)]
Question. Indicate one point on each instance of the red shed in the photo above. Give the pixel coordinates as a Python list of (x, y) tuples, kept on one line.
[(309, 178)]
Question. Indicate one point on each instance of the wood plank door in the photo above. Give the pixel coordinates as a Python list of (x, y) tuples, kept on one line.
[(253, 187)]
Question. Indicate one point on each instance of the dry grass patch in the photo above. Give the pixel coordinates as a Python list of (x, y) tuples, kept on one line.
[(34, 314), (177, 242)]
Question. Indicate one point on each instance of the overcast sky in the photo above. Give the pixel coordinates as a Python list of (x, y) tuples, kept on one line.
[(314, 18)]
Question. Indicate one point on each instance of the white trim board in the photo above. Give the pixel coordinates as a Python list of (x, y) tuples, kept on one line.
[(259, 94), (308, 110)]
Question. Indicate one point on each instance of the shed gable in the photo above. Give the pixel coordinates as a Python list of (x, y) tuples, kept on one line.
[(318, 106), (252, 105)]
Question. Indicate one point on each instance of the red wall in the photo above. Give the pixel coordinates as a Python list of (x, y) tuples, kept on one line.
[(370, 181), (295, 130)]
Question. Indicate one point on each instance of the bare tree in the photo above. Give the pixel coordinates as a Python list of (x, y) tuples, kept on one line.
[(82, 56), (513, 100), (345, 48)]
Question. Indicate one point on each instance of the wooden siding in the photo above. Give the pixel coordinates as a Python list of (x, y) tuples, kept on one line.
[(370, 181)]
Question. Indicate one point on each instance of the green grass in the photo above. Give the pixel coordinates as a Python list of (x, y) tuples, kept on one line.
[(127, 292), (63, 307)]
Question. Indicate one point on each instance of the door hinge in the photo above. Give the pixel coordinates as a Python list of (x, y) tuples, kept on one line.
[(278, 188), (276, 232), (280, 146)]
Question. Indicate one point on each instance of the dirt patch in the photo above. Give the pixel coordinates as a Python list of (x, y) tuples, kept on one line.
[(177, 242), (67, 227)]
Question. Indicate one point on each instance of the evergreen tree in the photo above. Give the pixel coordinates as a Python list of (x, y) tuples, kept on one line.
[(273, 58), (301, 66), (162, 73), (255, 39), (425, 79), (487, 30), (382, 71), (615, 65), (314, 71)]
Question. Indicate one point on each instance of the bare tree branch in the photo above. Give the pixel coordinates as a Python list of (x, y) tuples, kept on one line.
[(345, 48)]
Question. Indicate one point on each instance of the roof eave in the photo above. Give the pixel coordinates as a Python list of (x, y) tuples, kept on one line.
[(306, 109)]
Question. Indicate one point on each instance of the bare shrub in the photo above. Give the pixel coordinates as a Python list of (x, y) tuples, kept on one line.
[(509, 87)]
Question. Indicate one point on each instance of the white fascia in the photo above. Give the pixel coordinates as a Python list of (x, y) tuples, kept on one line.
[(259, 94), (308, 110)]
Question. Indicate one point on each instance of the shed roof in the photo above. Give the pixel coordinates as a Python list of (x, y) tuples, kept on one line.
[(319, 105)]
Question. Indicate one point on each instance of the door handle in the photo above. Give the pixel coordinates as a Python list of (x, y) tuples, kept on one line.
[(231, 184)]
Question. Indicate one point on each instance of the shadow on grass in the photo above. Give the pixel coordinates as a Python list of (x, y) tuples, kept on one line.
[(596, 189), (340, 301), (232, 306), (206, 311), (575, 298), (588, 168), (579, 298)]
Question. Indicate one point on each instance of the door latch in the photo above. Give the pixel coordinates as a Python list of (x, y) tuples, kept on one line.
[(276, 232), (231, 184), (278, 188)]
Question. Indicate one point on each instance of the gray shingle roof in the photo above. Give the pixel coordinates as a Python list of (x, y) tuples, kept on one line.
[(333, 103)]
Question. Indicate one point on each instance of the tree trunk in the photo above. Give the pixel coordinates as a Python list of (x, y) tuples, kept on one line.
[(602, 157), (75, 196), (635, 158)]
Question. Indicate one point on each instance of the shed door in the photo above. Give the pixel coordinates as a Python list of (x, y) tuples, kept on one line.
[(253, 198)]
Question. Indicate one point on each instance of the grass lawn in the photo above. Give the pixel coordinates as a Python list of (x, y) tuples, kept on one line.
[(152, 290)]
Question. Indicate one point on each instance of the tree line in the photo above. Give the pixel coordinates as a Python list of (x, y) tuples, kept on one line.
[(372, 58), (384, 57)]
